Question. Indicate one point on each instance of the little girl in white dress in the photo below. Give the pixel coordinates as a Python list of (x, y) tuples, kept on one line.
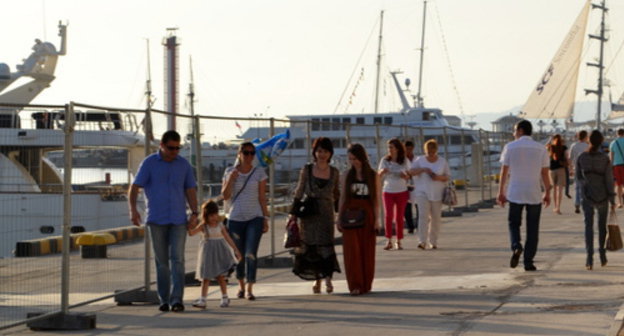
[(217, 256)]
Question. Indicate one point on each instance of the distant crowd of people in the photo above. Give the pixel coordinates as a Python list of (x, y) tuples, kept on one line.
[(408, 187)]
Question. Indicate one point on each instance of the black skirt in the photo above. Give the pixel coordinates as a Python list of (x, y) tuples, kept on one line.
[(312, 265)]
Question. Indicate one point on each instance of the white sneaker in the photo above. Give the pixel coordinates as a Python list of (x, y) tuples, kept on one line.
[(200, 303), (225, 302)]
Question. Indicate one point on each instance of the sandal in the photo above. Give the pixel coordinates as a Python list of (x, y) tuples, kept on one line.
[(398, 245), (316, 288), (388, 245), (250, 297), (241, 294), (329, 287), (355, 292)]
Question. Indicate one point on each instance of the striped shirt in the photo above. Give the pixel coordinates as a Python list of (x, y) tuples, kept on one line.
[(247, 205)]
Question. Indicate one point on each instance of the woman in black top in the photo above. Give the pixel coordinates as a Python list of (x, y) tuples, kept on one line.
[(558, 163)]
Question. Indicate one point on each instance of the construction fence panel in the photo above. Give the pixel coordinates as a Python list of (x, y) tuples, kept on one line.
[(31, 208), (107, 254)]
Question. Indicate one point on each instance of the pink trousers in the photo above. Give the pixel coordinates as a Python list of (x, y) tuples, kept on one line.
[(394, 208)]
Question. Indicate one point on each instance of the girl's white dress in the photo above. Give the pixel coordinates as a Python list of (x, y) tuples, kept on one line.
[(215, 257)]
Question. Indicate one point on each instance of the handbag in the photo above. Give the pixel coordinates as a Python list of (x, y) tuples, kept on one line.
[(352, 219), (308, 205), (292, 236), (449, 197), (614, 237)]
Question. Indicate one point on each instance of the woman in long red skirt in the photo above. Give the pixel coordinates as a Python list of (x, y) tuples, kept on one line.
[(360, 192)]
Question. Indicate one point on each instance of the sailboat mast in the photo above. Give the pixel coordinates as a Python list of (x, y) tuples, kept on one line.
[(600, 64), (148, 98), (419, 98), (378, 62)]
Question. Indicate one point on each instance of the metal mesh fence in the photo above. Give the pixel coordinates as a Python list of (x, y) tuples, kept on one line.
[(30, 207), (108, 146)]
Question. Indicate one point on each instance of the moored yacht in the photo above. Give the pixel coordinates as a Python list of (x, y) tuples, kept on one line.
[(31, 201)]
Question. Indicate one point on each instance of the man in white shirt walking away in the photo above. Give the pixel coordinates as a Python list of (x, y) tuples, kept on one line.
[(524, 163), (575, 151)]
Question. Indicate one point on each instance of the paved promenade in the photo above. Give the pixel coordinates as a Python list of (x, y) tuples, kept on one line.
[(465, 287)]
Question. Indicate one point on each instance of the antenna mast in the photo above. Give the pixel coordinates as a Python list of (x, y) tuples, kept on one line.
[(378, 62), (419, 98), (191, 93), (600, 64)]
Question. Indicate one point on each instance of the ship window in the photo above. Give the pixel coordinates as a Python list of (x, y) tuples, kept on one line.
[(335, 124), (456, 139), (325, 124), (360, 121), (425, 116), (298, 144), (345, 121), (316, 124), (377, 120), (388, 120)]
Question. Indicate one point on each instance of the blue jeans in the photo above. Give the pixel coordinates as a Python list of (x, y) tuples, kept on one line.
[(246, 235), (579, 193), (168, 242), (588, 212), (533, 212)]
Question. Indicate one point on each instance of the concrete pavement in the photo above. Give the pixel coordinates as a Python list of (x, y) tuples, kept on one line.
[(465, 287)]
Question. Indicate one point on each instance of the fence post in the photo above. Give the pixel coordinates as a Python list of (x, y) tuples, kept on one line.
[(348, 133), (489, 164), (198, 160), (147, 282), (379, 192), (421, 136), (464, 168), (272, 192), (67, 204), (309, 139), (481, 167)]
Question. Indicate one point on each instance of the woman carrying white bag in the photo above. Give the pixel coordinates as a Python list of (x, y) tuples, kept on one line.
[(432, 173)]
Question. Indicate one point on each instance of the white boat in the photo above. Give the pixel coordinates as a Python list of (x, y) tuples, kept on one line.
[(31, 202)]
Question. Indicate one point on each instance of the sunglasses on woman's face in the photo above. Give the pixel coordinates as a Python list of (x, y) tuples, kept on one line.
[(248, 152)]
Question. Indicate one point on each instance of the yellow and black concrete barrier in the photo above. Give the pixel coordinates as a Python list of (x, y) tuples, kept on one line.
[(52, 245)]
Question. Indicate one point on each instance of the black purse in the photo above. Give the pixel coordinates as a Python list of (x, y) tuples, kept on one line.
[(307, 206), (352, 219)]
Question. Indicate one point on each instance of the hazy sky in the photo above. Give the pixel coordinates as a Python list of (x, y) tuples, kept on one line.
[(282, 57)]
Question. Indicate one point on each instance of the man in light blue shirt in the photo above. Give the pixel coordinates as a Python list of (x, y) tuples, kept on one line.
[(169, 185), (616, 153)]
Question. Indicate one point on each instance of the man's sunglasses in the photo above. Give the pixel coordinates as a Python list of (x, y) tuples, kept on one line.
[(248, 152), (173, 148)]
